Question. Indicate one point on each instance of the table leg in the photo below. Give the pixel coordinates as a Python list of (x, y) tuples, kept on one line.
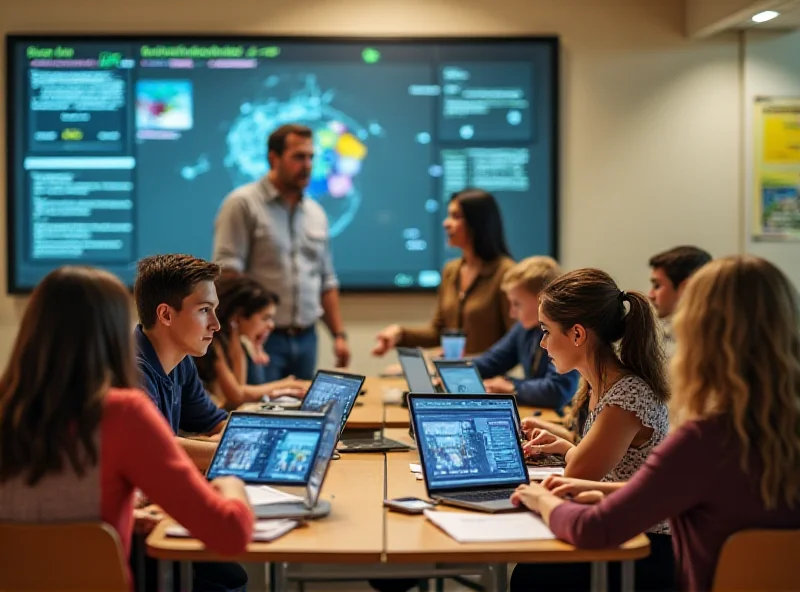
[(599, 576), (497, 578), (628, 576), (186, 576), (280, 582), (164, 576)]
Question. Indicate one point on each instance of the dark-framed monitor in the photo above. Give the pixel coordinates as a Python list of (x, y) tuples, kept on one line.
[(124, 146)]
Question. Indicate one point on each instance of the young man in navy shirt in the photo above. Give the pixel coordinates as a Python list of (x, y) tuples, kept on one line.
[(542, 385), (176, 302)]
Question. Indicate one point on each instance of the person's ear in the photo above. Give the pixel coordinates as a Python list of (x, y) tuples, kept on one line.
[(165, 314), (578, 335)]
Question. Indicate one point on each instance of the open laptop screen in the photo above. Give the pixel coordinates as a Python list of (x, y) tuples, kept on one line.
[(467, 442), (268, 448), (460, 377), (415, 370), (327, 446), (341, 388)]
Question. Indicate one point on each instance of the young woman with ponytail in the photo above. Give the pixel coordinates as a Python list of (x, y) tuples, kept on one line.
[(612, 339)]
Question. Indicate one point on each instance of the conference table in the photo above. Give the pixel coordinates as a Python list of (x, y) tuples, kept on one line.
[(360, 531)]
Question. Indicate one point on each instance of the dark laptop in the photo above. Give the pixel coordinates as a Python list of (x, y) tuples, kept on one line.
[(459, 376), (469, 449), (415, 370), (343, 389), (339, 387)]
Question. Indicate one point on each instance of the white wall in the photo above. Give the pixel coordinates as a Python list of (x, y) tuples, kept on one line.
[(650, 145), (771, 68)]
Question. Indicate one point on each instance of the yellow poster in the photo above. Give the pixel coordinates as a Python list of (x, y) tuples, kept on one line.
[(776, 211)]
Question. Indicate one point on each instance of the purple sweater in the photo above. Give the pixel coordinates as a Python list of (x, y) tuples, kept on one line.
[(695, 479)]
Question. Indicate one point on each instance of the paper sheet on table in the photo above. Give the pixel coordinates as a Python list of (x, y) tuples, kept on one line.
[(415, 468), (541, 473), (487, 528), (263, 530), (261, 495)]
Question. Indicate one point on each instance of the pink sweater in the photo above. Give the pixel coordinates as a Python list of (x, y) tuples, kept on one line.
[(137, 450), (695, 479)]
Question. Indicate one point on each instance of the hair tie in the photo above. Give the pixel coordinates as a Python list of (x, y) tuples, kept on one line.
[(622, 295)]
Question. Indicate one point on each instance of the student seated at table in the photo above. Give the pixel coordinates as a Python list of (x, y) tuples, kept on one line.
[(542, 385), (176, 301), (612, 339), (77, 437), (469, 298), (246, 311), (732, 461), (669, 272)]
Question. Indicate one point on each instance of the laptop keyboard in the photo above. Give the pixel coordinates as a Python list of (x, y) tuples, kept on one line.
[(546, 460), (483, 496)]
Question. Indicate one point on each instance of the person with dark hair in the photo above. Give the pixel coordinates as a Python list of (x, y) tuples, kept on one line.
[(246, 311), (78, 439), (275, 233), (732, 460), (612, 339), (176, 300), (471, 298), (669, 272)]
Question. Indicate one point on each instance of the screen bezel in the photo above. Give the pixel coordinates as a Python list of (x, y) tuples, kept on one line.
[(275, 414), (311, 500), (414, 397), (552, 42), (352, 404), (445, 364)]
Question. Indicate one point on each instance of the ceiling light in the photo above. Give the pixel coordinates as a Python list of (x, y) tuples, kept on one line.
[(765, 16)]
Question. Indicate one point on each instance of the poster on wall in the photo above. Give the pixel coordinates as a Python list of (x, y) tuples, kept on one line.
[(776, 211)]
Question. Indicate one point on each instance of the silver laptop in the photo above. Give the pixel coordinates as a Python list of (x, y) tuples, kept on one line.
[(459, 376), (291, 448), (469, 449)]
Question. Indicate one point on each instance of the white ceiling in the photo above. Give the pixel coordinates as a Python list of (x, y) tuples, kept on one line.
[(789, 17)]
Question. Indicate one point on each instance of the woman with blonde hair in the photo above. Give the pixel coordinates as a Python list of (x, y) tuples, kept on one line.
[(733, 461)]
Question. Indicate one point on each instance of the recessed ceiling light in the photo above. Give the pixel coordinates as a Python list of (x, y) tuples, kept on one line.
[(765, 16)]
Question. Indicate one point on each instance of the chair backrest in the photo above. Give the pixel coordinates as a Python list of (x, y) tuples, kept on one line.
[(763, 560), (67, 556)]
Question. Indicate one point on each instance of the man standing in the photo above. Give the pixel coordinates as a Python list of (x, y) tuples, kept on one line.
[(270, 230), (669, 272)]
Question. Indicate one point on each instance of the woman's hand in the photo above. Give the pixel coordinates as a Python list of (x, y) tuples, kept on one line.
[(529, 496), (387, 339), (578, 490), (145, 519), (544, 442)]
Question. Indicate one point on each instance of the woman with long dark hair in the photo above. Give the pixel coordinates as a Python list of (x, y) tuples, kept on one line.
[(246, 315), (77, 437), (470, 297)]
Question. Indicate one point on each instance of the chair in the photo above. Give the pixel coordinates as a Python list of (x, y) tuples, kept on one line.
[(763, 560), (69, 556)]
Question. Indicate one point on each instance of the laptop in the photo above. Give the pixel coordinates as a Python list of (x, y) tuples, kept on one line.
[(415, 370), (279, 448), (339, 387), (459, 376), (469, 449), (343, 389)]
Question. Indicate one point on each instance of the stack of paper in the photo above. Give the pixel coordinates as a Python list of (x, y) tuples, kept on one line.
[(542, 473), (263, 530), (261, 495), (488, 528)]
